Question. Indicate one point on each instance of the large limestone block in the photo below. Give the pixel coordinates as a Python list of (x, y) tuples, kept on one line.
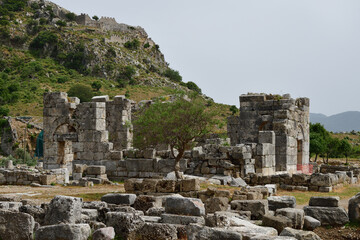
[(184, 206), (216, 204), (311, 223), (107, 233), (277, 202), (323, 180), (157, 231), (119, 198), (196, 232), (258, 208), (63, 209), (333, 216), (96, 170), (145, 202), (295, 215), (124, 223), (324, 201), (64, 232), (182, 220), (300, 234), (277, 222), (15, 225), (354, 208)]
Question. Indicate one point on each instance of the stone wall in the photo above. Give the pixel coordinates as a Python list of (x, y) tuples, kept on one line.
[(287, 117), (78, 133), (303, 182), (26, 176)]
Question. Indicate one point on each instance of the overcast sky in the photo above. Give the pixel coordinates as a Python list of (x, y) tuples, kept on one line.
[(308, 48)]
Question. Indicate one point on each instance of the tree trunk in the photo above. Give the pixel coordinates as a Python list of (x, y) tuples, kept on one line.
[(316, 155), (177, 162), (346, 159)]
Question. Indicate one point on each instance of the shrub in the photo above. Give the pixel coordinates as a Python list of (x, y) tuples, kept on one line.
[(61, 23), (146, 45), (193, 86), (127, 94), (62, 79), (83, 92), (96, 85), (70, 16), (4, 111), (173, 75), (96, 18), (132, 45), (111, 53), (233, 109), (44, 37)]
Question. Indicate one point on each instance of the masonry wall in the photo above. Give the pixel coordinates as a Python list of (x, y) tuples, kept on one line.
[(287, 117)]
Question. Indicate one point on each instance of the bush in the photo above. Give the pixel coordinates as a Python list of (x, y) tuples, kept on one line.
[(83, 92), (70, 16), (132, 45), (4, 111), (96, 85), (233, 109), (193, 86), (61, 23), (111, 53), (96, 18), (44, 37), (62, 79), (146, 45), (173, 75)]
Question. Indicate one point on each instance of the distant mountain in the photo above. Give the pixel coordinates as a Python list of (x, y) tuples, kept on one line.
[(342, 122)]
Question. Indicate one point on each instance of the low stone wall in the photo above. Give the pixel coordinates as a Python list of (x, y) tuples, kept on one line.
[(27, 176), (302, 182), (324, 168)]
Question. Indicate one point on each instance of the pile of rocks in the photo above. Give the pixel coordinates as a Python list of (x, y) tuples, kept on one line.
[(303, 182), (86, 176)]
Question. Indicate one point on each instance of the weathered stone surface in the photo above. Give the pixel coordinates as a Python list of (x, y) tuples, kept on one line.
[(222, 219), (36, 212), (155, 211), (216, 204), (166, 186), (324, 201), (295, 215), (258, 208), (323, 180), (277, 222), (249, 230), (156, 231), (124, 224), (145, 202), (272, 238), (88, 215), (300, 234), (311, 223), (277, 202), (64, 232), (95, 205), (333, 216), (10, 198), (182, 220), (354, 208), (184, 206), (196, 232), (107, 233), (188, 185), (119, 198), (15, 225), (63, 209), (96, 170)]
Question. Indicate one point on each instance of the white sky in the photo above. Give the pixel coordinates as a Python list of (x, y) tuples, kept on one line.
[(307, 48)]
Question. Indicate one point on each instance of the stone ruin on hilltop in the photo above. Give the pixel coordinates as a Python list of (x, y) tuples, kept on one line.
[(270, 136)]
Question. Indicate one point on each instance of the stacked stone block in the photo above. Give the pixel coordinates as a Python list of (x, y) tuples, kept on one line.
[(287, 117)]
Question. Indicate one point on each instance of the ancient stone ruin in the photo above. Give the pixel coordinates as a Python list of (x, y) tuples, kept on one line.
[(286, 144)]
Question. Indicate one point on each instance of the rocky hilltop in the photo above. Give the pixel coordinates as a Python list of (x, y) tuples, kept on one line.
[(45, 47)]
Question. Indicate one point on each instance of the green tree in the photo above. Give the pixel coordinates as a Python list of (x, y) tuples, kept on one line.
[(96, 85), (61, 23), (83, 92), (132, 45), (175, 123), (317, 144), (173, 75), (96, 18), (192, 86), (332, 147), (4, 111), (70, 16), (233, 109), (345, 148)]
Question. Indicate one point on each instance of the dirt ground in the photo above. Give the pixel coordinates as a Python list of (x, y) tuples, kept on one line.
[(40, 194), (338, 233)]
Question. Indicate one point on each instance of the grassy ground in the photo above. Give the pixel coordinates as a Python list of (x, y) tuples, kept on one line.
[(302, 198)]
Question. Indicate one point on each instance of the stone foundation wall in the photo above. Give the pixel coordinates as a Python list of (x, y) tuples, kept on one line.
[(303, 182), (28, 176)]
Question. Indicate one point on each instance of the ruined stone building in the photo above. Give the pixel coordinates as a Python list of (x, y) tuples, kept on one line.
[(92, 133), (271, 135), (289, 120)]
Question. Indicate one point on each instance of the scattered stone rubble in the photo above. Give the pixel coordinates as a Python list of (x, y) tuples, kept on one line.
[(207, 214)]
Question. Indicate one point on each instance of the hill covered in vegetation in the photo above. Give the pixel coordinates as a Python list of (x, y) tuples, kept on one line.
[(47, 48)]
